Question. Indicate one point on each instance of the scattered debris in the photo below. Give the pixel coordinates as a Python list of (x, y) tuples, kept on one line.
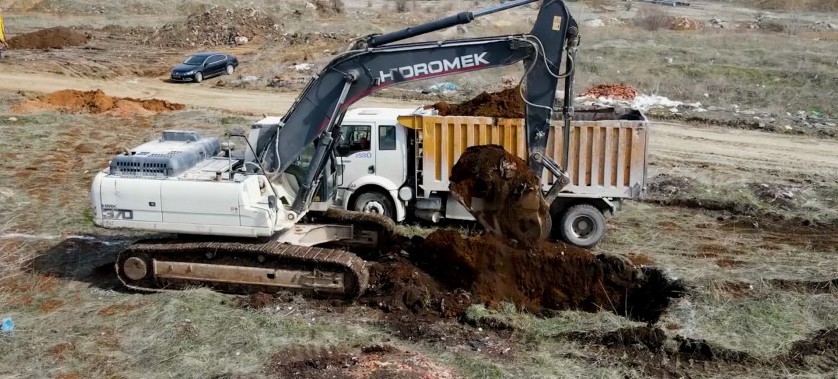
[(784, 196), (444, 87), (51, 38), (718, 23), (822, 26), (97, 102), (8, 325)]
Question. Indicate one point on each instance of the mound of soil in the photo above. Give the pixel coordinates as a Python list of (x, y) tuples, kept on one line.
[(52, 38), (398, 287), (501, 192), (549, 276), (613, 91), (215, 26), (504, 104), (96, 102)]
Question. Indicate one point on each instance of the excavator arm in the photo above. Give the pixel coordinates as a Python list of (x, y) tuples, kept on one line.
[(374, 63)]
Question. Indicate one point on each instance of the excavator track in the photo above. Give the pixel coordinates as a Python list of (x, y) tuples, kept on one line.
[(242, 267)]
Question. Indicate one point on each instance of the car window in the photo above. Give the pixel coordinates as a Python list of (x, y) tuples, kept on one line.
[(354, 138), (386, 137), (215, 59), (195, 59)]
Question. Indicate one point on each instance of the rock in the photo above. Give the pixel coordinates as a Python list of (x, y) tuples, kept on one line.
[(13, 119), (241, 40)]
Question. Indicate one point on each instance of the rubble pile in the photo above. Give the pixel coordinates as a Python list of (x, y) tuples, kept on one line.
[(215, 26)]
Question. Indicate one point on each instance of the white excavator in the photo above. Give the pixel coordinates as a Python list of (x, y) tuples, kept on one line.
[(259, 217)]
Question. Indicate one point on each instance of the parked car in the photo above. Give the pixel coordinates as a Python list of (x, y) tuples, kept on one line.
[(204, 65)]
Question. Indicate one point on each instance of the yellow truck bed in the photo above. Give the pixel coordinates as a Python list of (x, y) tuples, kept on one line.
[(607, 156)]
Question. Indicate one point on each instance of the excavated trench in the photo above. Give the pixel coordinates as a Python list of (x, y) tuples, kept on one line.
[(448, 271)]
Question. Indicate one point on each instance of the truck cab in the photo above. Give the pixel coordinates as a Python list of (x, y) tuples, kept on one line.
[(372, 160)]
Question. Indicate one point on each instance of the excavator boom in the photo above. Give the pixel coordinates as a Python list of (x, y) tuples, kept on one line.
[(375, 63)]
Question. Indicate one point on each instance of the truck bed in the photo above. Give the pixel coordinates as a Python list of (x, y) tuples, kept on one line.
[(607, 157)]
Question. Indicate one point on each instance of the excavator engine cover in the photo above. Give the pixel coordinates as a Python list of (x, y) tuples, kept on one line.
[(502, 193)]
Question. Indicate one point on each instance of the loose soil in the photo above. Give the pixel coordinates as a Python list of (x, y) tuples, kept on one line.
[(504, 104), (550, 276), (96, 102), (375, 361), (52, 38), (613, 91), (510, 202)]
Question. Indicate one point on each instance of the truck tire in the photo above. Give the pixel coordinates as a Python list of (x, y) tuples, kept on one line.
[(375, 202), (582, 225)]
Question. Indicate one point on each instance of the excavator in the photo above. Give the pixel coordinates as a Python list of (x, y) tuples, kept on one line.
[(258, 218)]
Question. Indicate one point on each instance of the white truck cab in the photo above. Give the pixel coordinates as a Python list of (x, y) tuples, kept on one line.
[(373, 161)]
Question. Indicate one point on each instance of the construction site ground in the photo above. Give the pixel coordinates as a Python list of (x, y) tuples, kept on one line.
[(729, 263)]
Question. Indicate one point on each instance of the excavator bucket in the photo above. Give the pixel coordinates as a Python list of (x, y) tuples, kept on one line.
[(502, 193)]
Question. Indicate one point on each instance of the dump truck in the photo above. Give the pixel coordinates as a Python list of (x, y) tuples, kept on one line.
[(397, 162)]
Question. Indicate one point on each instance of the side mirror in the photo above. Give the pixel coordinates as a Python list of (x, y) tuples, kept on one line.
[(272, 201)]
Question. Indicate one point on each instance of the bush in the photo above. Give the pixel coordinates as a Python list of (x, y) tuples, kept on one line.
[(652, 19), (401, 5)]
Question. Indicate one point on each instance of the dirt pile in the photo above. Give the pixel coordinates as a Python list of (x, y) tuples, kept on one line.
[(502, 193), (96, 102), (216, 26), (504, 104), (684, 23), (613, 91), (547, 277), (52, 38)]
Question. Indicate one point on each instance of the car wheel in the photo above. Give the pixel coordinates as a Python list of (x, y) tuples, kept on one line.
[(582, 225), (229, 69), (375, 202), (198, 77)]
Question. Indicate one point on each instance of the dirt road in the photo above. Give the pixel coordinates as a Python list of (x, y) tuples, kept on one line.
[(760, 153), (203, 95)]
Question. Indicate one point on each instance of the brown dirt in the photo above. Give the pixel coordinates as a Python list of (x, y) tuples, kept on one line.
[(52, 38), (96, 102), (398, 286), (548, 277), (215, 26), (115, 309), (684, 23), (614, 91), (376, 361), (503, 104), (512, 204)]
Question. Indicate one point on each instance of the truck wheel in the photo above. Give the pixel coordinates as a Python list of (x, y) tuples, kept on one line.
[(375, 202), (582, 225)]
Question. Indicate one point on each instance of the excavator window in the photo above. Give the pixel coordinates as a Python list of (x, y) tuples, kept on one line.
[(354, 138)]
